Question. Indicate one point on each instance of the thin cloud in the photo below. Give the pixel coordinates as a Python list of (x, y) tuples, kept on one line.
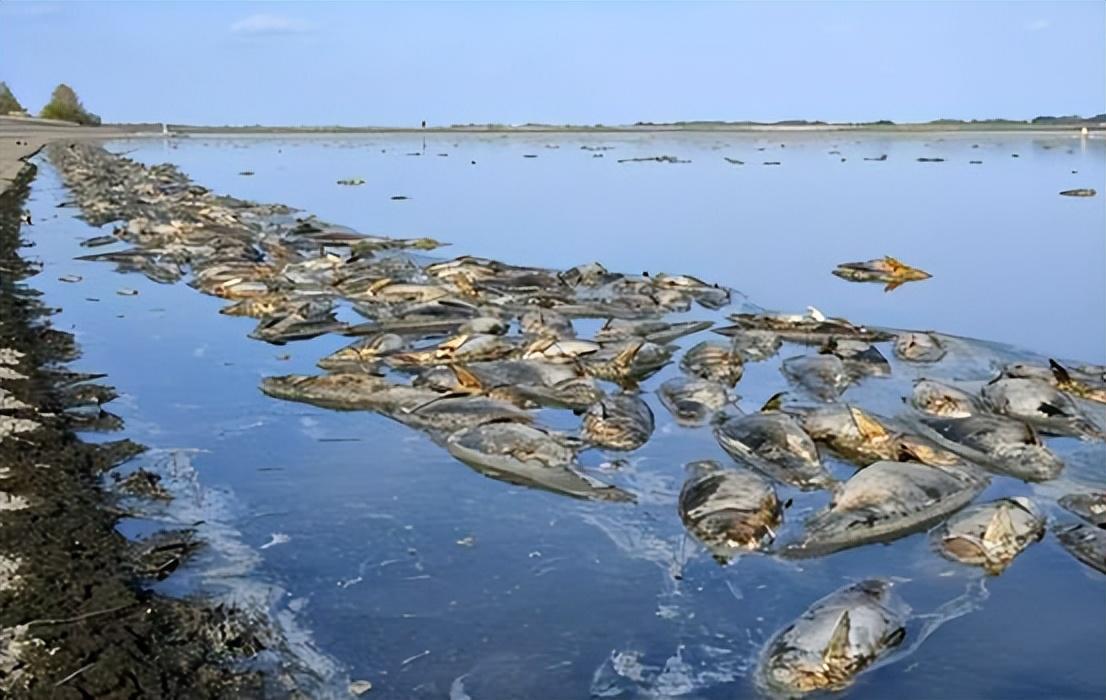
[(267, 25)]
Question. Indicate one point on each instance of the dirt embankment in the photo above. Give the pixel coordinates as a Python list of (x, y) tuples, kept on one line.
[(75, 618)]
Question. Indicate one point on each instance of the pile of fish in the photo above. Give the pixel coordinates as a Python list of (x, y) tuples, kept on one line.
[(478, 354)]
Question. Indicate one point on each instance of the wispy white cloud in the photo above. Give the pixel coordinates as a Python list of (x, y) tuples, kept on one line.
[(1038, 25), (264, 24)]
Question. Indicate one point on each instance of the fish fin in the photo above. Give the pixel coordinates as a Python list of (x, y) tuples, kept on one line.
[(379, 284), (454, 343), (895, 264), (1059, 372), (1001, 527), (893, 285), (1051, 410), (436, 399), (774, 402), (869, 428), (465, 377), (838, 646), (626, 357), (895, 637)]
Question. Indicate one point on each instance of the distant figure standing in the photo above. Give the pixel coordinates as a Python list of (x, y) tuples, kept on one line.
[(424, 123)]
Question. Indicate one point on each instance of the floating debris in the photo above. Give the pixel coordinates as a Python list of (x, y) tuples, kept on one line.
[(656, 159), (887, 270), (1080, 192), (351, 181)]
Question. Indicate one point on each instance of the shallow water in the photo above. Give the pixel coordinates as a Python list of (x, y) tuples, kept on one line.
[(432, 581)]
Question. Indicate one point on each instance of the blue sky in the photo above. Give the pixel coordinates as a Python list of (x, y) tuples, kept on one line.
[(611, 63)]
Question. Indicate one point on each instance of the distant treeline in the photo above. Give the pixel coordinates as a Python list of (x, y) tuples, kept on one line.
[(64, 104)]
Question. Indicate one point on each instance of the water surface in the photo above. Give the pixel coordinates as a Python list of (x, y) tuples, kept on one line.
[(432, 581)]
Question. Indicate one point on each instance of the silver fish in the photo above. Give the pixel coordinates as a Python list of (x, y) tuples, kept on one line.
[(692, 401), (620, 422), (1040, 404), (528, 456), (919, 347), (728, 510), (834, 640), (991, 534), (884, 502), (714, 362), (773, 443)]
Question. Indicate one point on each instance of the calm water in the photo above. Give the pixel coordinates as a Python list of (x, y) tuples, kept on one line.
[(414, 572)]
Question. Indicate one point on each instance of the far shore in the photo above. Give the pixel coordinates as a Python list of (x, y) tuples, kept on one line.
[(22, 137)]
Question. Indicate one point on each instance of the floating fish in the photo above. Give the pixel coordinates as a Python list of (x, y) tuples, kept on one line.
[(834, 640)]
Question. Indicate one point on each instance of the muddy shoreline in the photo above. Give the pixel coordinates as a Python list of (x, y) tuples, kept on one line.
[(76, 617)]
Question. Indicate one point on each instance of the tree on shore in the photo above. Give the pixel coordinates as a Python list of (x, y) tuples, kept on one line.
[(64, 104), (8, 103)]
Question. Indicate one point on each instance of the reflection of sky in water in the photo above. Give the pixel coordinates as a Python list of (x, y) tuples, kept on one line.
[(393, 549), (1012, 261)]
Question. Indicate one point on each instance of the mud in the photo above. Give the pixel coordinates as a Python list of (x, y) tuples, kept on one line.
[(77, 619)]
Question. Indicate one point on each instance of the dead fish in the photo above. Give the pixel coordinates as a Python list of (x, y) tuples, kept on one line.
[(558, 350), (859, 357), (1040, 404), (894, 273), (991, 534), (774, 444), (996, 443), (587, 275), (861, 437), (728, 510), (813, 328), (575, 394), (659, 332), (1079, 192), (709, 296), (1082, 384), (834, 640), (692, 401), (366, 245), (364, 353), (343, 390), (458, 348), (619, 422), (72, 279), (886, 501), (629, 363), (302, 323), (714, 362), (824, 377), (528, 456), (445, 413), (1089, 506), (97, 241), (1085, 543), (919, 347), (752, 346), (546, 323), (943, 400)]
